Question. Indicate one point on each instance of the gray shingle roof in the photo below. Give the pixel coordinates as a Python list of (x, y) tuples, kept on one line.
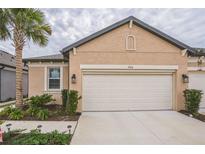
[(199, 51), (55, 57), (136, 21), (8, 60)]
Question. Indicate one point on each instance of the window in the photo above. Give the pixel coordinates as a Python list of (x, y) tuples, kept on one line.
[(54, 78), (130, 42)]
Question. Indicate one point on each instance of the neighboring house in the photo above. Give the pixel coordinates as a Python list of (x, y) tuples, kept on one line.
[(126, 66), (8, 77)]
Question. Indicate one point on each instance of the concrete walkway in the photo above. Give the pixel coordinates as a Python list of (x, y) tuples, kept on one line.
[(142, 127), (47, 126)]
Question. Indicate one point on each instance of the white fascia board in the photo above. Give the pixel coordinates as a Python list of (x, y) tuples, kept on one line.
[(196, 69), (47, 65), (129, 67)]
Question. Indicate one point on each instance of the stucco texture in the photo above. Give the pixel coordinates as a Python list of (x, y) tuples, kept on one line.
[(37, 79), (110, 48)]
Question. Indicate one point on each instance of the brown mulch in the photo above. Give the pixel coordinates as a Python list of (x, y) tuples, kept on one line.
[(60, 115), (199, 116)]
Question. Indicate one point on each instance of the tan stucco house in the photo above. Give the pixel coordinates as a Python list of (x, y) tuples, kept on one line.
[(126, 66)]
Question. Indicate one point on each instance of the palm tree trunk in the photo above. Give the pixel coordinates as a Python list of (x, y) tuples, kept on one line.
[(19, 76)]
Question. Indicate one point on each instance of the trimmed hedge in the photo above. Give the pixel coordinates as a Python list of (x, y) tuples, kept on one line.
[(192, 100)]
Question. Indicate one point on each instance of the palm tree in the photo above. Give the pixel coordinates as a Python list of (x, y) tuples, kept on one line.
[(20, 26)]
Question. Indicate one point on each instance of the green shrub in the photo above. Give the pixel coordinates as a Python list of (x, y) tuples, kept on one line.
[(36, 138), (36, 104), (192, 100), (72, 104), (64, 94), (6, 111), (32, 111), (38, 101), (42, 114), (16, 114), (12, 112), (7, 135), (1, 122)]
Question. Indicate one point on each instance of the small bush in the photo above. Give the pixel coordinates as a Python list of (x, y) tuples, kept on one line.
[(36, 138), (32, 111), (64, 94), (38, 101), (6, 111), (72, 104), (12, 112), (192, 100), (16, 114), (1, 122), (36, 104), (42, 114)]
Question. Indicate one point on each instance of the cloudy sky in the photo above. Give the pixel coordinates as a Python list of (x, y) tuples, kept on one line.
[(70, 25)]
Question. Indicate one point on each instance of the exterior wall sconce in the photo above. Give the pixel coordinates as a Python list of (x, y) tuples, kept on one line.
[(185, 78), (73, 79)]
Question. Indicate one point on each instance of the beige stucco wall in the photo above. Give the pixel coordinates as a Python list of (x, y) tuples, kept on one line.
[(37, 80), (192, 62), (110, 49)]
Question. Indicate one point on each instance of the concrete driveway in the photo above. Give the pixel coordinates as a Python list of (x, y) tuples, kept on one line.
[(142, 127)]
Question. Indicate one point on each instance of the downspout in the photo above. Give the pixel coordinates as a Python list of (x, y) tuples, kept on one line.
[(68, 71), (1, 68)]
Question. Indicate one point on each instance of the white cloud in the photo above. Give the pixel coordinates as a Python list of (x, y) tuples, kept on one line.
[(70, 25)]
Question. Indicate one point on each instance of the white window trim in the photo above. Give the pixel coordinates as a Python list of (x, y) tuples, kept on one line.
[(61, 78), (46, 78), (126, 42)]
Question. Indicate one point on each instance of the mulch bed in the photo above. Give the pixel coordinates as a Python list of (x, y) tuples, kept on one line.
[(199, 116), (56, 109)]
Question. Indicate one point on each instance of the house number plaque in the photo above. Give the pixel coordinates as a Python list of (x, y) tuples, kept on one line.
[(130, 67)]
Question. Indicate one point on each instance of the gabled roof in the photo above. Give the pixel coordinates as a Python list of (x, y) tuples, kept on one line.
[(8, 60), (56, 57), (137, 22)]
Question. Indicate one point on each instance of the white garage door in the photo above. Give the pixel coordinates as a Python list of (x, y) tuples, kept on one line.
[(127, 92), (197, 81)]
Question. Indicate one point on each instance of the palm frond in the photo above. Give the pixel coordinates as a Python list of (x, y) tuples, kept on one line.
[(39, 34), (29, 23), (4, 30)]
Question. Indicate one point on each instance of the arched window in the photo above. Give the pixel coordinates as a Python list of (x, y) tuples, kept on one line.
[(130, 42)]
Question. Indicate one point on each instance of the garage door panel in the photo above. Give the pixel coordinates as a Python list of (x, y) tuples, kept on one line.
[(197, 81), (127, 92), (93, 98), (129, 106)]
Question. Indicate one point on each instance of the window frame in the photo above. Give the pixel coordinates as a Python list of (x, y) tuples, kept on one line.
[(127, 42), (48, 78)]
